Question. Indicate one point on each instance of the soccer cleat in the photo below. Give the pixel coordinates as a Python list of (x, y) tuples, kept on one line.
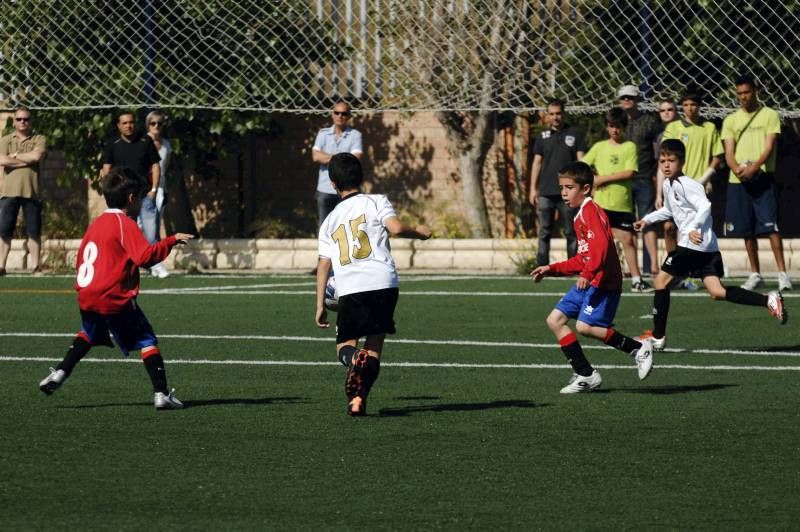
[(775, 306), (164, 401), (159, 270), (352, 383), (580, 384), (754, 281), (641, 286), (659, 344), (53, 381), (357, 407), (784, 283), (644, 359), (688, 284)]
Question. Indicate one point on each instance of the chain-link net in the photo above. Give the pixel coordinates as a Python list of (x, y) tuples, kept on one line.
[(299, 55)]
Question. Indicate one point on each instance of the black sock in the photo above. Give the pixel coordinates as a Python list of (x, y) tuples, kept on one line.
[(622, 342), (369, 374), (154, 365), (740, 296), (660, 312), (572, 350), (75, 353), (345, 355)]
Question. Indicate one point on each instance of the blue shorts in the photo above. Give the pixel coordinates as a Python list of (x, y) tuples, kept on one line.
[(593, 306), (130, 329), (751, 213)]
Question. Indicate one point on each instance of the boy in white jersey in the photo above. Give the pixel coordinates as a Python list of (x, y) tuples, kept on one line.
[(697, 254), (354, 241)]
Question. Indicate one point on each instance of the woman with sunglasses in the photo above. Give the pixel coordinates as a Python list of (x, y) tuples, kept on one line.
[(151, 221)]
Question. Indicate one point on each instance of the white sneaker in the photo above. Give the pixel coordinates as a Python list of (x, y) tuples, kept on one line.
[(754, 281), (580, 384), (644, 359), (784, 283), (165, 401), (775, 306), (659, 344), (159, 270), (53, 381)]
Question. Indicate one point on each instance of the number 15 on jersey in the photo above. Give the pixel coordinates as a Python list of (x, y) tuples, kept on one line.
[(360, 247)]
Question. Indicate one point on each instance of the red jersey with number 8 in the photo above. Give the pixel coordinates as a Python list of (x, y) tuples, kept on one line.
[(111, 253)]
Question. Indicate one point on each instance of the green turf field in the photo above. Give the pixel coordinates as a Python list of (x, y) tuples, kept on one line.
[(466, 429)]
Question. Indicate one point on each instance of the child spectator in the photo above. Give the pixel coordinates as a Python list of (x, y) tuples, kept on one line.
[(110, 255), (354, 241), (614, 162), (594, 299)]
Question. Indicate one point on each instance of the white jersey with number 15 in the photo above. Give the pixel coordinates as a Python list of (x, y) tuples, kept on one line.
[(354, 238)]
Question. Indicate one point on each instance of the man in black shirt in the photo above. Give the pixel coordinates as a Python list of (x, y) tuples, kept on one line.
[(555, 147), (136, 151)]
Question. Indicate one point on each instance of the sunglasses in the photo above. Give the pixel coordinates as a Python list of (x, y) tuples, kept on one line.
[(20, 119), (626, 98), (341, 113), (670, 110), (156, 123)]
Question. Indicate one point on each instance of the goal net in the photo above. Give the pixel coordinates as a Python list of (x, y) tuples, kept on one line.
[(298, 55)]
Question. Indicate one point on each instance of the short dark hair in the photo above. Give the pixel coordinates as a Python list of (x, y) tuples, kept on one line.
[(693, 95), (557, 102), (119, 183), (22, 108), (746, 79), (616, 117), (123, 113), (674, 147), (344, 169), (579, 172)]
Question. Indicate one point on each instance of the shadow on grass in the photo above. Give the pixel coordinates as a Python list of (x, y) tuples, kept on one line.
[(669, 390), (208, 402), (458, 407), (773, 348)]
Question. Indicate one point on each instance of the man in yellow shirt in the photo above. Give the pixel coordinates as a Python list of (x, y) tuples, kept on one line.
[(750, 137), (20, 153), (614, 162), (704, 150)]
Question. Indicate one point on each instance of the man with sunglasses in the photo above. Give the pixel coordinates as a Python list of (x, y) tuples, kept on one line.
[(20, 154), (338, 138)]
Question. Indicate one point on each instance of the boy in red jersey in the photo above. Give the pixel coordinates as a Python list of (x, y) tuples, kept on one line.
[(594, 299), (111, 253)]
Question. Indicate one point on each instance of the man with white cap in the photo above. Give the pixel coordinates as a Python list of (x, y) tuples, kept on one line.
[(642, 130)]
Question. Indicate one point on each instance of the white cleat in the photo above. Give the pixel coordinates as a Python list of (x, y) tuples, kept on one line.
[(53, 381), (159, 270), (659, 344), (754, 281), (168, 401), (784, 283), (644, 359), (580, 384), (776, 308)]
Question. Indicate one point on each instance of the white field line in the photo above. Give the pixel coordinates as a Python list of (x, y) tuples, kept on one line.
[(466, 343), (457, 365)]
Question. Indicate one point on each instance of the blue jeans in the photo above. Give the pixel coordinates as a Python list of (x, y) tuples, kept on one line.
[(325, 204), (546, 207), (150, 220)]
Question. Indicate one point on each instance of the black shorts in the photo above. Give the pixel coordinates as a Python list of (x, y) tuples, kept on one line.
[(685, 262), (366, 313), (621, 220), (31, 209)]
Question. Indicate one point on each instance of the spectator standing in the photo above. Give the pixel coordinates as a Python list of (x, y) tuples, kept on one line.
[(614, 165), (150, 221), (137, 151), (554, 148), (20, 154), (750, 136), (642, 130), (338, 138)]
